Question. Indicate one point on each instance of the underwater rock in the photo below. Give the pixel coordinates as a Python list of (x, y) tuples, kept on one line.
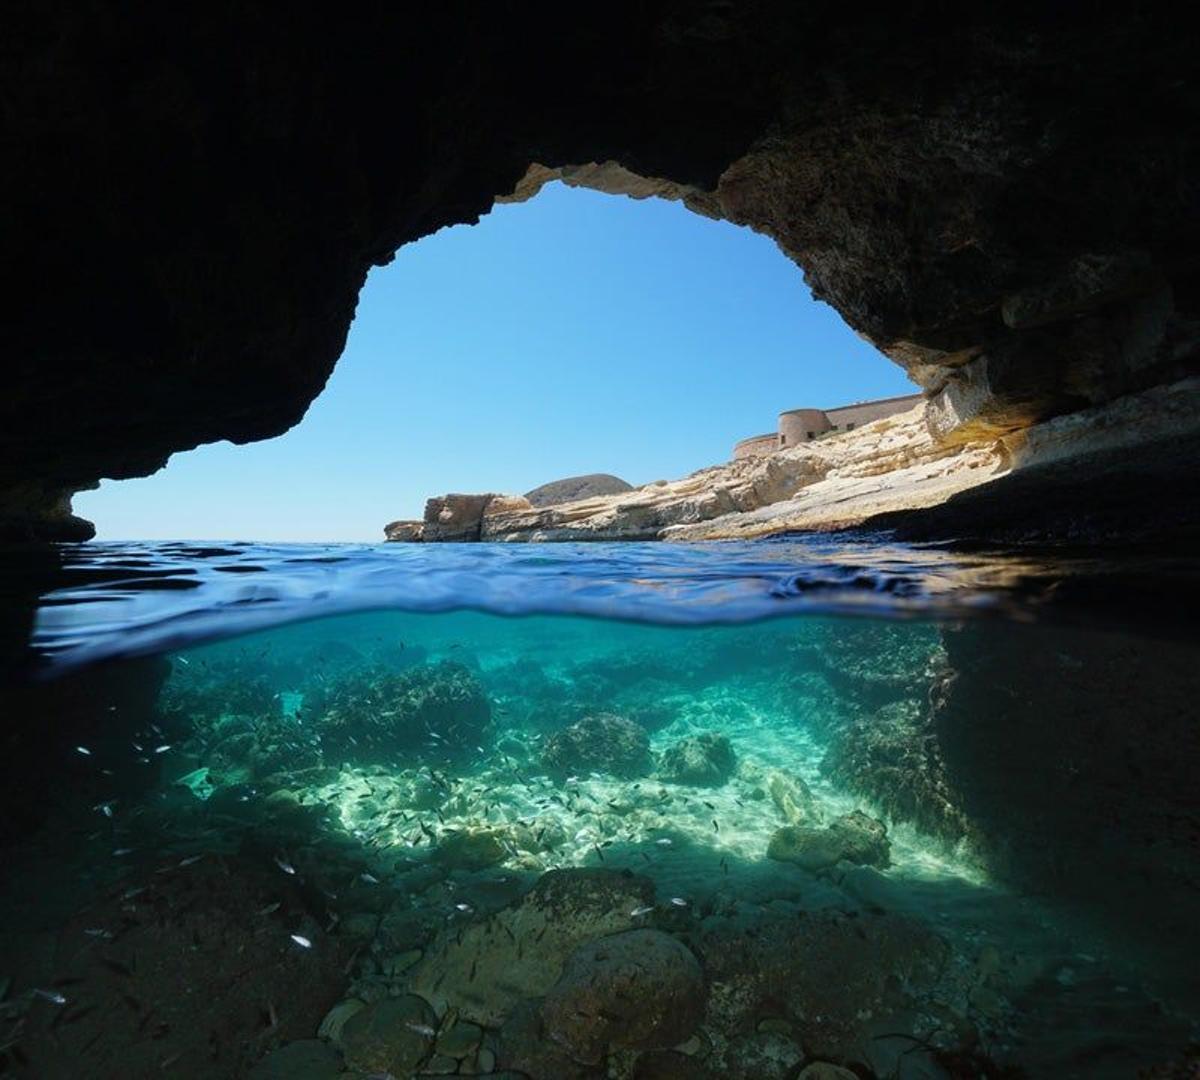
[(485, 967), (360, 925), (335, 1019), (527, 1050), (792, 798), (602, 743), (460, 1040), (373, 714), (393, 1035), (825, 1070), (704, 760), (472, 849), (829, 972), (669, 1065), (307, 1059), (854, 838), (764, 1055), (639, 990), (892, 756), (174, 936), (404, 928)]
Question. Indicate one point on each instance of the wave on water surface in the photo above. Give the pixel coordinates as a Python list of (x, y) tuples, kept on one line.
[(128, 599)]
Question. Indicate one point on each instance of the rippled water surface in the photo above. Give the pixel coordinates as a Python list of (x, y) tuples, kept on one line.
[(113, 599), (631, 811)]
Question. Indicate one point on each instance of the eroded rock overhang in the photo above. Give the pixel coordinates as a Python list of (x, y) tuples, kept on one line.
[(1007, 207)]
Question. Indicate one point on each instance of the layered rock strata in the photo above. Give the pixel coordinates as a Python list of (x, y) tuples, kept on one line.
[(896, 472)]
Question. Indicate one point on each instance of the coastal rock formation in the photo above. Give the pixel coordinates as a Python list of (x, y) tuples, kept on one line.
[(1004, 206), (574, 488), (1096, 468), (840, 479)]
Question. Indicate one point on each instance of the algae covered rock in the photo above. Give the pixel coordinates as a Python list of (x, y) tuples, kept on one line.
[(764, 1055), (472, 849), (375, 713), (306, 1059), (527, 1049), (393, 1035), (335, 1019), (704, 760), (604, 742), (792, 798), (830, 974), (639, 990), (669, 1065), (854, 838), (484, 969)]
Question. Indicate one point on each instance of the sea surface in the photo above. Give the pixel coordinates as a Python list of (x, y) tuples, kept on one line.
[(333, 810)]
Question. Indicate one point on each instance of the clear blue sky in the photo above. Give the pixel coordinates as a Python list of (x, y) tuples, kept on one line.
[(574, 333)]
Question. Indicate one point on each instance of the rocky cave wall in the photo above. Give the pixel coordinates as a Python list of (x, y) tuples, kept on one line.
[(193, 197)]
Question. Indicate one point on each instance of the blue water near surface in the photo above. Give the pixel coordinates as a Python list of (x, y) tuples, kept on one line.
[(136, 598)]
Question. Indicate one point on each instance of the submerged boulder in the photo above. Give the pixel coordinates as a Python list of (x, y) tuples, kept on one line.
[(604, 742), (640, 990), (830, 974), (307, 1059), (373, 713), (393, 1035), (765, 1055), (527, 1049), (704, 760), (486, 968), (792, 798), (472, 849), (854, 838)]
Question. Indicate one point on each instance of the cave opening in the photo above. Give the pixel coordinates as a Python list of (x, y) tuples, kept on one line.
[(572, 333)]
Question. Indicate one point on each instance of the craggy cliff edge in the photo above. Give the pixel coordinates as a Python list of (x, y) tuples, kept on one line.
[(892, 472), (1006, 204)]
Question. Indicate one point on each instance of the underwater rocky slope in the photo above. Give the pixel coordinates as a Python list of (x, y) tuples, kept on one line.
[(554, 848)]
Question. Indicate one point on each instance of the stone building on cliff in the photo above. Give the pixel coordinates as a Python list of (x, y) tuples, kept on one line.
[(802, 425)]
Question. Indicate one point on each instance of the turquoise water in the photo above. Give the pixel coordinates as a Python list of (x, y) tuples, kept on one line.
[(896, 811)]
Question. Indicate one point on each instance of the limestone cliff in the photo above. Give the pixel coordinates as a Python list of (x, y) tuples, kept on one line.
[(872, 476)]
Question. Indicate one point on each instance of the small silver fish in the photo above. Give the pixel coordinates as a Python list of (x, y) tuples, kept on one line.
[(50, 995), (638, 911), (162, 749), (463, 907), (189, 861), (679, 901), (370, 879), (122, 851), (421, 1029), (302, 941), (84, 751), (664, 842), (184, 661), (286, 867)]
